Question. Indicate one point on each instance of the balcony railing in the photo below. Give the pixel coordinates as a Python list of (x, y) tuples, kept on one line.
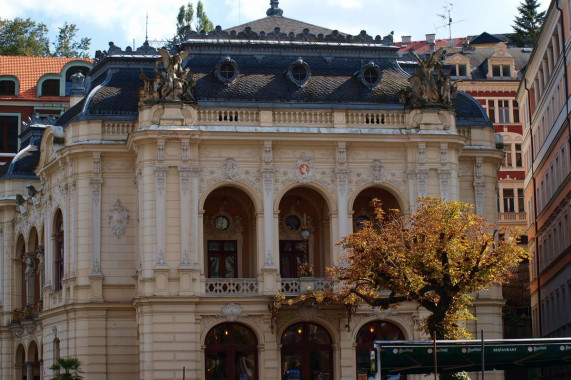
[(512, 216), (295, 286), (28, 312), (222, 287)]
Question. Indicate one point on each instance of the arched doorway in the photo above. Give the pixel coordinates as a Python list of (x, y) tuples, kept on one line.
[(229, 234), (306, 352), (231, 352), (304, 231), (20, 363), (362, 209), (376, 330), (33, 361)]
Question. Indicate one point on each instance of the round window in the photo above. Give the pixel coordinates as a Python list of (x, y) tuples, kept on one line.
[(299, 73), (371, 75), (227, 71)]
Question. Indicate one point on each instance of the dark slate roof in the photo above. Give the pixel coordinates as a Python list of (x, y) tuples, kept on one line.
[(23, 164), (469, 112), (487, 38), (285, 25)]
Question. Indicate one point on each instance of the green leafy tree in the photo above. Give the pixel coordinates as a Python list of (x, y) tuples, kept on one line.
[(185, 19), (438, 257), (28, 38), (527, 24), (23, 37), (67, 369), (67, 44)]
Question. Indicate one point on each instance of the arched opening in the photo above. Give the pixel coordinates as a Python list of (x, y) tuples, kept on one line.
[(305, 236), (20, 271), (20, 363), (231, 352), (229, 234), (58, 250), (367, 334), (33, 364), (362, 209), (307, 352)]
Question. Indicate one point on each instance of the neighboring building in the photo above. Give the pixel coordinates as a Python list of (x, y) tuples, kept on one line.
[(33, 87), (148, 231), (544, 96)]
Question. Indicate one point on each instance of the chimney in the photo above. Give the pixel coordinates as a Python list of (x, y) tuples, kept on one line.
[(406, 39), (430, 39)]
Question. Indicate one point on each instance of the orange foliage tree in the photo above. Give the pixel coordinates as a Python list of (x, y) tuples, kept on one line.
[(438, 256)]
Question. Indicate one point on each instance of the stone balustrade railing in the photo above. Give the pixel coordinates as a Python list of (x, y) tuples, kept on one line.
[(223, 287)]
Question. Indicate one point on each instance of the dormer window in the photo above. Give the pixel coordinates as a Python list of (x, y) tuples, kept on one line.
[(226, 71), (370, 75), (501, 71), (298, 72), (50, 87), (70, 72), (458, 70), (7, 87)]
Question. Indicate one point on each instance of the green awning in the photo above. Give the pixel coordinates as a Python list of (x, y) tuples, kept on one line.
[(415, 357)]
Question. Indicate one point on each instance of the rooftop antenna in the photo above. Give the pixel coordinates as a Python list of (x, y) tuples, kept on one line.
[(448, 21), (147, 28)]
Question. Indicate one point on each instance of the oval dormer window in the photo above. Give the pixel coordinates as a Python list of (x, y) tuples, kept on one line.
[(370, 75), (298, 72), (226, 70)]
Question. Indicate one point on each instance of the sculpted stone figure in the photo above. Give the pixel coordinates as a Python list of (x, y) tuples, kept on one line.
[(427, 89), (172, 84)]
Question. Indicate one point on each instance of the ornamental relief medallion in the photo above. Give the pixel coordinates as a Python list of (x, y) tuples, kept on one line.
[(377, 173), (230, 173), (118, 217)]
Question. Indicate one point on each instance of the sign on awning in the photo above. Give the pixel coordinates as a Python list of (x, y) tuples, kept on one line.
[(416, 357)]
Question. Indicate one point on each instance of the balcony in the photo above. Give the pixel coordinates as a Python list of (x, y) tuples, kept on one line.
[(296, 286), (29, 312), (224, 287), (512, 217)]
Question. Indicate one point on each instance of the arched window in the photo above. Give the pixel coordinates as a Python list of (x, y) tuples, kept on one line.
[(231, 351), (50, 87), (307, 352), (59, 250), (7, 87), (377, 330)]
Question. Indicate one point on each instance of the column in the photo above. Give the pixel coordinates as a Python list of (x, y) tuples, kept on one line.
[(268, 181), (195, 221), (72, 231), (185, 215), (96, 224), (444, 177), (342, 183), (479, 187), (48, 248), (29, 370), (422, 182), (30, 275), (411, 198), (41, 259), (160, 212)]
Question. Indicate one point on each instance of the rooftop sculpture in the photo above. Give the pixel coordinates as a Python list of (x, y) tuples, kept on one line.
[(427, 88), (173, 84)]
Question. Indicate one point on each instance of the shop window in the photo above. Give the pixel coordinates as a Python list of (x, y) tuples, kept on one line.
[(50, 87), (9, 134), (377, 330), (7, 87), (231, 351), (59, 251), (307, 352)]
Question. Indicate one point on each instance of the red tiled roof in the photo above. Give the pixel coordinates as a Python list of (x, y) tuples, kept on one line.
[(422, 46), (29, 70)]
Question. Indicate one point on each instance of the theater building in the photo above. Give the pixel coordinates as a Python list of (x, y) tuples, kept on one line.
[(153, 225)]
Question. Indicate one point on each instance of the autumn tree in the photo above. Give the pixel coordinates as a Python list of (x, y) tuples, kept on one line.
[(29, 38), (438, 257), (527, 24)]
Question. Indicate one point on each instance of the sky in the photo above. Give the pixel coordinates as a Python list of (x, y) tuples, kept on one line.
[(123, 21)]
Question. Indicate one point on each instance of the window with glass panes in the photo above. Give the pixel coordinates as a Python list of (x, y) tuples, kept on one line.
[(507, 155), (222, 259), (504, 111), (8, 134), (509, 201), (491, 111), (515, 107), (520, 201), (518, 161)]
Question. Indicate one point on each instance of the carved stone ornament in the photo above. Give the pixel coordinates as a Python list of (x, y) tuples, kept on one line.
[(230, 168), (304, 169), (118, 217), (377, 171), (443, 153), (174, 84), (268, 155), (422, 182), (422, 153), (232, 311)]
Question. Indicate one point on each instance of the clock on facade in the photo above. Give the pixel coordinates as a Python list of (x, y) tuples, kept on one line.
[(221, 223), (292, 222)]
